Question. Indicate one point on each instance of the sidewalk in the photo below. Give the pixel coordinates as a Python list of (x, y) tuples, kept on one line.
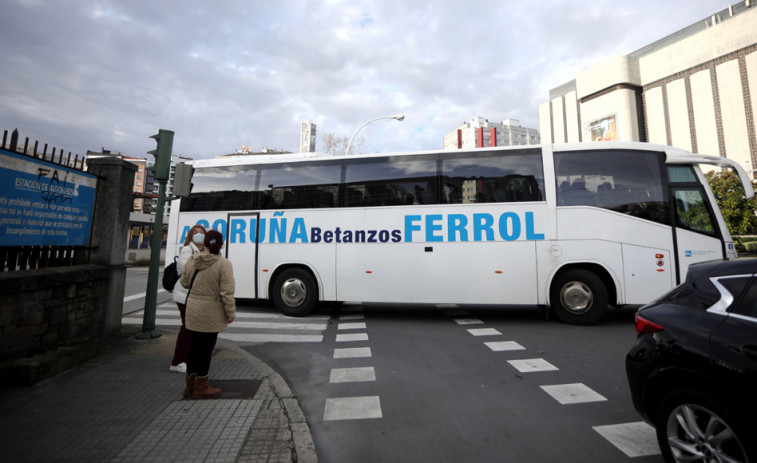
[(125, 406)]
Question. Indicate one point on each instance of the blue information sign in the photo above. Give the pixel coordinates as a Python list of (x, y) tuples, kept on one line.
[(42, 203)]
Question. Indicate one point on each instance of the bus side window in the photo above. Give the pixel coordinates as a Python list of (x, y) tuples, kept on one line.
[(636, 176)]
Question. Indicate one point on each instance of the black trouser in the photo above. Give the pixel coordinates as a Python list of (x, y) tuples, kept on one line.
[(200, 351)]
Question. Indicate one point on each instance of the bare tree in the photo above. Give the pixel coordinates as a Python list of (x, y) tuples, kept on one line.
[(338, 146)]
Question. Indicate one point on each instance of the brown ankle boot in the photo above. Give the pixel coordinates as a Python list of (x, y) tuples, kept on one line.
[(190, 386), (202, 389)]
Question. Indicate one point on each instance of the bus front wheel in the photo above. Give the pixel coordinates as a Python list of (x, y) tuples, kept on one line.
[(578, 297), (295, 293)]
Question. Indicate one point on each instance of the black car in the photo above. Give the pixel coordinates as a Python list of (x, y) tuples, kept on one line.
[(693, 369)]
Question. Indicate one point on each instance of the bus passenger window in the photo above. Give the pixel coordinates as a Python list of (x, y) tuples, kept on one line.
[(390, 181), (629, 182), (493, 177)]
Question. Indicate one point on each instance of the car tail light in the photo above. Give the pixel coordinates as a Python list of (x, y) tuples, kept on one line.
[(644, 326)]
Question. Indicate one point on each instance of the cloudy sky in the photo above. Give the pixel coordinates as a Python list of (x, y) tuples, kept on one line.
[(221, 74)]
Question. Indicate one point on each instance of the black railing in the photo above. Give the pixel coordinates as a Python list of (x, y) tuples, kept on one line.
[(38, 257), (34, 151)]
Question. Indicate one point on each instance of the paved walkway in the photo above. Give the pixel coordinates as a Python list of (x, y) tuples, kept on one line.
[(125, 406)]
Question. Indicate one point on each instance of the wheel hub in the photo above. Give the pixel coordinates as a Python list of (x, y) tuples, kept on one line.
[(293, 292), (576, 297)]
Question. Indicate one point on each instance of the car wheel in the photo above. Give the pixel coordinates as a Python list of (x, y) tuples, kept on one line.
[(295, 292), (578, 297), (695, 427)]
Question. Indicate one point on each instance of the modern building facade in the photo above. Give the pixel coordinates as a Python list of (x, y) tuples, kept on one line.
[(307, 137), (479, 133), (695, 89)]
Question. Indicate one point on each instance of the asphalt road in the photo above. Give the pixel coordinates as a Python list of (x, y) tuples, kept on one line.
[(388, 383)]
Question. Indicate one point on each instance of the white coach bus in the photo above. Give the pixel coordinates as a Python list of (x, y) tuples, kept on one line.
[(576, 227)]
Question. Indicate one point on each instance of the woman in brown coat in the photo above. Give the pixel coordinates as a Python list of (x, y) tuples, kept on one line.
[(210, 308)]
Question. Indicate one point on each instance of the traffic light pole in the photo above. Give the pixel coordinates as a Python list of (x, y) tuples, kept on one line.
[(162, 172), (151, 295)]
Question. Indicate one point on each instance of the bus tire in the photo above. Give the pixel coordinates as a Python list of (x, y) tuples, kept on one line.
[(295, 292), (578, 297)]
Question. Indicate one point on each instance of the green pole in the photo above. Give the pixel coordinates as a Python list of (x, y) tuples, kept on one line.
[(151, 296)]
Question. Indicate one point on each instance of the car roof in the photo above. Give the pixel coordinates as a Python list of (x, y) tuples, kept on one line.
[(723, 268)]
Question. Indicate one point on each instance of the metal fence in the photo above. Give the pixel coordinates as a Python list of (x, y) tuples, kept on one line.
[(15, 258)]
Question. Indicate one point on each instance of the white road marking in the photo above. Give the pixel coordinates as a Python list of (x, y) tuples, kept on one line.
[(352, 337), (352, 408), (352, 375), (351, 326), (636, 439), (356, 352), (532, 365), (140, 295), (352, 317), (468, 321), (504, 346), (312, 327), (573, 393), (262, 337), (484, 332)]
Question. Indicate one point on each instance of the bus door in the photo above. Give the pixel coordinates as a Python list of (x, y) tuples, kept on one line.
[(696, 234), (242, 251)]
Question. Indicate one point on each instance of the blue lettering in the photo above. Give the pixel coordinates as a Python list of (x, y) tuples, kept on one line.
[(384, 236), (483, 223), (184, 234), (432, 226), (298, 231), (396, 236), (259, 231), (456, 224), (220, 225), (530, 235), (410, 226), (328, 236), (278, 230), (513, 218), (236, 235), (315, 235)]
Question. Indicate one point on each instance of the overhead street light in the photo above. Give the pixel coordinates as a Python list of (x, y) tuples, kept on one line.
[(399, 117)]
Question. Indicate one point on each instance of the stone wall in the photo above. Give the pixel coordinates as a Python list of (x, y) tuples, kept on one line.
[(59, 306)]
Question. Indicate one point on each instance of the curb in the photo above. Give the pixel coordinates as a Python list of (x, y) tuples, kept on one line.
[(303, 439)]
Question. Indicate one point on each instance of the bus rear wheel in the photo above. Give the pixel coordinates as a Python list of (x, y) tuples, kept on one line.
[(295, 292), (578, 297)]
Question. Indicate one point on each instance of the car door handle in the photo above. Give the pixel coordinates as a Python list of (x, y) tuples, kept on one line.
[(749, 351)]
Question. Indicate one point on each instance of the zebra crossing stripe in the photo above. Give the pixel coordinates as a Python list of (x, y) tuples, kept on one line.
[(636, 439), (357, 352), (352, 375), (532, 365), (351, 337), (352, 408), (576, 393), (484, 332), (264, 337)]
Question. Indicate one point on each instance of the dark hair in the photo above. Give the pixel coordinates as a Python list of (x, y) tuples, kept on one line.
[(213, 241)]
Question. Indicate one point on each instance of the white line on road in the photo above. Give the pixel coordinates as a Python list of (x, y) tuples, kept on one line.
[(636, 439), (140, 295), (352, 408), (352, 375)]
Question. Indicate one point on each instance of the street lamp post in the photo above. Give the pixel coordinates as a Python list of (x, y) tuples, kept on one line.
[(399, 117)]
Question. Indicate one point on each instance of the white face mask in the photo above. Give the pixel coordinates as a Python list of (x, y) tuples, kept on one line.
[(198, 238)]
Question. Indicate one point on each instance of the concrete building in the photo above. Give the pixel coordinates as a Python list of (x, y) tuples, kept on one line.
[(479, 132), (695, 89), (307, 137)]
